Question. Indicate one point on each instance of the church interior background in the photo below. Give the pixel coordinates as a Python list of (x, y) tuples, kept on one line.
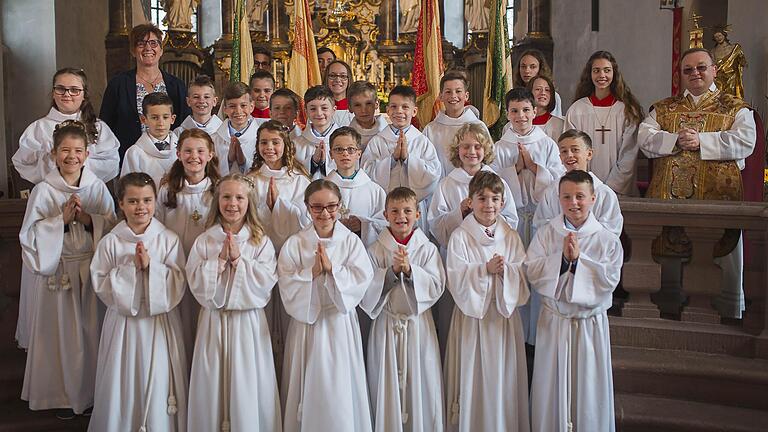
[(672, 371)]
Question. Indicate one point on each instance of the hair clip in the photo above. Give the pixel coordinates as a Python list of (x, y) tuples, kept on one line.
[(70, 123), (250, 181)]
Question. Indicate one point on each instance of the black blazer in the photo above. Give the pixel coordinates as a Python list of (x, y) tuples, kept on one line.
[(118, 107)]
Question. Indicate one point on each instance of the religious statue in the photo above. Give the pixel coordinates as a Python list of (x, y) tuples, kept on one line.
[(375, 68), (256, 12), (477, 15), (730, 61), (178, 13), (409, 15)]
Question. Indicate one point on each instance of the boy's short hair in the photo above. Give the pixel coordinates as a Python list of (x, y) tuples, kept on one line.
[(141, 31), (576, 134), (262, 74), (345, 131), (320, 92), (236, 90), (578, 177), (401, 193), (138, 179), (286, 93), (552, 101), (323, 50), (483, 180), (519, 94), (480, 133), (361, 87), (262, 50), (202, 81), (454, 75), (404, 91), (156, 99)]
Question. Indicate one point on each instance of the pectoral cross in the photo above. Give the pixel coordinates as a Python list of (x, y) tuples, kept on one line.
[(602, 131)]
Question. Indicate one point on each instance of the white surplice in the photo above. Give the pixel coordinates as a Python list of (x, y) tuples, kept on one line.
[(527, 188), (66, 319), (486, 379), (307, 143), (324, 385), (572, 386), (141, 379), (364, 199), (420, 172), (615, 157), (145, 157), (381, 121), (343, 117), (33, 159), (189, 123), (403, 356), (554, 127), (222, 140), (187, 220), (442, 131), (233, 375)]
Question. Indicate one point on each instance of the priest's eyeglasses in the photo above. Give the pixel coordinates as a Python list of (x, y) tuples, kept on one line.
[(318, 208), (700, 68), (347, 150), (337, 77), (61, 90)]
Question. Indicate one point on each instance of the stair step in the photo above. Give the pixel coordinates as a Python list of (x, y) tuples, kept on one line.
[(710, 378), (643, 413)]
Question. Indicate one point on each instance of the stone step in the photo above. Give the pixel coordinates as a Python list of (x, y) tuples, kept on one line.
[(710, 378), (643, 413)]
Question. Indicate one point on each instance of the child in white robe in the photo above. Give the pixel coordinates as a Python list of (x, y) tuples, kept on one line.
[(364, 104), (485, 368), (184, 202), (66, 215), (403, 355), (400, 155), (279, 185), (262, 85), (312, 146), (605, 108), (138, 272), (542, 87), (155, 150), (338, 75), (442, 130), (324, 272), (284, 108), (574, 262), (526, 158), (533, 63), (231, 270), (236, 138), (201, 99)]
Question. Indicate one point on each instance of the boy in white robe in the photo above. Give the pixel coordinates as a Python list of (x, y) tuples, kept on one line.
[(201, 98), (155, 150), (138, 272), (67, 213), (400, 155), (236, 138), (284, 108), (441, 131), (323, 273), (364, 104), (485, 369), (403, 355), (574, 262), (262, 85), (312, 146)]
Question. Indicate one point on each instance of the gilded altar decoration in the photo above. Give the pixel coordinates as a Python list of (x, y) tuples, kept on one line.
[(478, 15), (696, 34), (178, 13), (730, 61)]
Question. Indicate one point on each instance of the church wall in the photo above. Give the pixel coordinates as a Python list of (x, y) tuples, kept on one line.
[(748, 18), (638, 34)]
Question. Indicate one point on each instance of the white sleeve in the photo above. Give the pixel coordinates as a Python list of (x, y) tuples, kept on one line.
[(652, 140), (736, 143)]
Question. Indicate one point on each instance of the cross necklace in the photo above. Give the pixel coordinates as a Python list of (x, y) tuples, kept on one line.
[(603, 129)]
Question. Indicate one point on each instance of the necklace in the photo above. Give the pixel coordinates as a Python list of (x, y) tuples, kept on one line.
[(150, 81), (602, 129)]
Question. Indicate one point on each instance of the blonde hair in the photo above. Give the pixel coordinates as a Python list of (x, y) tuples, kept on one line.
[(251, 216), (478, 132)]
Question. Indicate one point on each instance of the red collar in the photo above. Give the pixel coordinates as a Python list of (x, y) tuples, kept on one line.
[(542, 119), (260, 113), (403, 241), (342, 104), (605, 102)]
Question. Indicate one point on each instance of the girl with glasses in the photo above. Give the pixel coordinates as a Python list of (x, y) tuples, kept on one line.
[(338, 76)]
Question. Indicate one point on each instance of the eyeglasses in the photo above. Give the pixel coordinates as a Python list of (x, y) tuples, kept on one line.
[(318, 209), (262, 65), (337, 77), (700, 68), (153, 43), (61, 90), (347, 150)]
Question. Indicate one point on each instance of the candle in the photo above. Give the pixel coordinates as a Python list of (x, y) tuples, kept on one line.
[(392, 71), (285, 70), (383, 79), (274, 69)]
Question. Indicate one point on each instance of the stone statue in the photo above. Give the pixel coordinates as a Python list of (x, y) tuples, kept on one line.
[(256, 12), (375, 68), (730, 61), (178, 13), (409, 15), (477, 15)]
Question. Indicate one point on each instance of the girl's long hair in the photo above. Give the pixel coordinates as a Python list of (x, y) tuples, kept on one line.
[(633, 112), (289, 150), (251, 216), (175, 176), (87, 112), (544, 68)]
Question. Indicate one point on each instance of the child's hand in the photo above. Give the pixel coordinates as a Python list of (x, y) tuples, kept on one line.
[(401, 263), (271, 194), (571, 247), (520, 164), (234, 248), (353, 223), (403, 143), (465, 209), (525, 155), (324, 260), (69, 210), (495, 265), (319, 155), (236, 152), (142, 257), (317, 267), (396, 151)]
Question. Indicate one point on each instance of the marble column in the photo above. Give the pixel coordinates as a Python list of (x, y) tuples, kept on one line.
[(117, 44), (539, 34)]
